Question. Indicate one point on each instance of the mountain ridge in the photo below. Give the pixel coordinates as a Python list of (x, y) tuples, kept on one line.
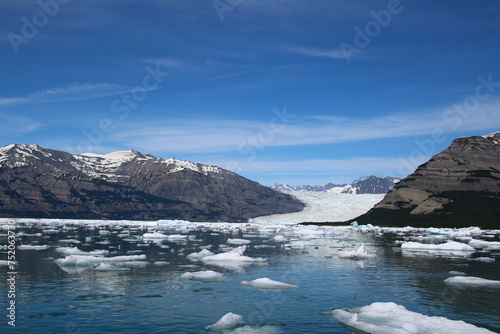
[(460, 186), (38, 182), (365, 185)]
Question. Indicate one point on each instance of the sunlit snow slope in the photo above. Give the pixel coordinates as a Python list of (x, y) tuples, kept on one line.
[(325, 206)]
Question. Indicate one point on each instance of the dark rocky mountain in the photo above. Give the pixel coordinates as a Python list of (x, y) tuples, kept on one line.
[(38, 182), (365, 185), (459, 186)]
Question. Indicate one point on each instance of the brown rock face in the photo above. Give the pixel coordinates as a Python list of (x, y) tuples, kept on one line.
[(459, 186), (37, 182)]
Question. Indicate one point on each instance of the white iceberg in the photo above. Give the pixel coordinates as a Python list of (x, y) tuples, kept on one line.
[(32, 247), (76, 251), (383, 318), (198, 255), (280, 238), (486, 245), (234, 255), (238, 241), (82, 260), (154, 235), (448, 246), (227, 322), (266, 283), (360, 253), (472, 282), (204, 276)]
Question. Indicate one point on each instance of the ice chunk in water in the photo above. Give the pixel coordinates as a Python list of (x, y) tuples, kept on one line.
[(238, 241), (472, 282), (360, 253), (228, 321), (204, 276), (266, 283), (232, 255), (448, 246), (383, 318)]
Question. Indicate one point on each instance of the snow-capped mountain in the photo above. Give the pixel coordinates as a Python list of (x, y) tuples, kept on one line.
[(365, 185), (38, 182)]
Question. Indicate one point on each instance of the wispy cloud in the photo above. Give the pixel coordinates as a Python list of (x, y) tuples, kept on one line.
[(225, 135), (172, 63), (15, 125), (73, 92), (332, 53)]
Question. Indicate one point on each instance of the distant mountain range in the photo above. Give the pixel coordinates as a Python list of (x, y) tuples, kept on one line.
[(457, 187), (44, 183), (365, 185)]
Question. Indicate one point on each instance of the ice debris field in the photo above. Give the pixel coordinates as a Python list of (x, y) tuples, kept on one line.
[(75, 256)]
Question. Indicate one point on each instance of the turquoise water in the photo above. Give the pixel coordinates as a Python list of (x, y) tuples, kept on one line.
[(153, 299)]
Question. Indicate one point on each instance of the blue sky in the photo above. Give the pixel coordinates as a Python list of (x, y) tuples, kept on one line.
[(298, 91)]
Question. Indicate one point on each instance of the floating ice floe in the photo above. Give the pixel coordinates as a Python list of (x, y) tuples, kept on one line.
[(238, 241), (33, 247), (154, 235), (360, 254), (198, 255), (457, 273), (383, 318), (451, 246), (76, 251), (232, 255), (280, 238), (472, 282), (204, 276), (266, 283), (486, 245), (483, 259), (161, 263), (82, 260), (227, 322)]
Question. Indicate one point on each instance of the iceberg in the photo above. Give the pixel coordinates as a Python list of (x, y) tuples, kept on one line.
[(360, 254), (154, 235), (227, 322), (75, 251), (448, 246), (238, 241), (32, 247), (82, 260), (486, 245), (232, 255), (266, 283), (232, 259), (198, 255), (280, 238), (383, 318), (472, 282), (204, 276)]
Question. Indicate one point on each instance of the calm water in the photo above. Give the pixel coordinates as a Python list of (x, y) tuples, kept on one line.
[(153, 299)]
